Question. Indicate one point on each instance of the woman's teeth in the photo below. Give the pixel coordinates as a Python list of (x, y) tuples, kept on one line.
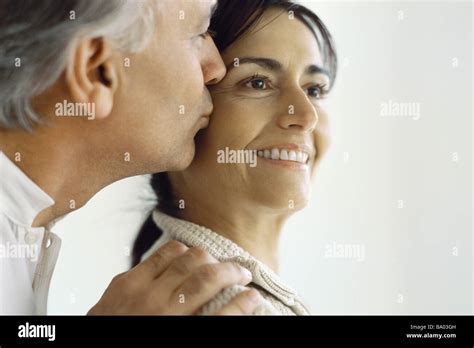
[(284, 155)]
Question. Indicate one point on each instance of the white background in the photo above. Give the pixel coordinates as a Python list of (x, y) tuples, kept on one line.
[(418, 258)]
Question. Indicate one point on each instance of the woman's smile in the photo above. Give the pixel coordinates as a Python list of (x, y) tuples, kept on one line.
[(283, 163), (287, 155)]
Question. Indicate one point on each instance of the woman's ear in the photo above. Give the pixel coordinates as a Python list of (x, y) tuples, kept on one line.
[(91, 75)]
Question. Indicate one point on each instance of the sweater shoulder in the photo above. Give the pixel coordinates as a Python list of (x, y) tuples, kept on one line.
[(227, 295)]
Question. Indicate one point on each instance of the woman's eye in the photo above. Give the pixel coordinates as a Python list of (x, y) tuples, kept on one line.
[(256, 84), (315, 92)]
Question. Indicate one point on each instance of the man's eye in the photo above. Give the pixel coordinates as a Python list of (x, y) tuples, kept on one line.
[(207, 33)]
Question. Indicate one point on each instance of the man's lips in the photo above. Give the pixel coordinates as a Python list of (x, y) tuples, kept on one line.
[(208, 111), (203, 121)]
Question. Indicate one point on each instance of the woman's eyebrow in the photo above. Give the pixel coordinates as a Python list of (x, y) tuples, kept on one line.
[(267, 63), (314, 69), (274, 65)]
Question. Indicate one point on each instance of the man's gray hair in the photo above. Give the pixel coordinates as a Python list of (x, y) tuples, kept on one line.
[(36, 37)]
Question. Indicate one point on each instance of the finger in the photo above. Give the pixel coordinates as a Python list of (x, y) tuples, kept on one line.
[(206, 282), (244, 303), (182, 267), (160, 260)]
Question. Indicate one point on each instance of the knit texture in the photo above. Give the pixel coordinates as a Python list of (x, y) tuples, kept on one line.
[(279, 299)]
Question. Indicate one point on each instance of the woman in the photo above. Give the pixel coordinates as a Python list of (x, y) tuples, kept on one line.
[(280, 63)]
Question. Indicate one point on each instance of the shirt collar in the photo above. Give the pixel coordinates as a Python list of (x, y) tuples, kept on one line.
[(225, 250), (21, 198)]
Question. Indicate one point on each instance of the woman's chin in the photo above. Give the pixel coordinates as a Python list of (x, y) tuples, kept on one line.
[(288, 206), (283, 199)]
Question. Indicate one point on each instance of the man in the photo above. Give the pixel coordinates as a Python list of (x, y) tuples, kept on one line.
[(92, 92)]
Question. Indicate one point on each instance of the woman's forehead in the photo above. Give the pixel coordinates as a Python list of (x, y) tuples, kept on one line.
[(279, 36)]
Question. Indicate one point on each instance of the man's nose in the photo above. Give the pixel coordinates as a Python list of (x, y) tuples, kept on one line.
[(214, 69)]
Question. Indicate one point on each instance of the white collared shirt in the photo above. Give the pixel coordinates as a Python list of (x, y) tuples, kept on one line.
[(27, 254)]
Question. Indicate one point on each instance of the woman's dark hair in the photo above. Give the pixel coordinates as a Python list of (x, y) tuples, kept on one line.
[(230, 21)]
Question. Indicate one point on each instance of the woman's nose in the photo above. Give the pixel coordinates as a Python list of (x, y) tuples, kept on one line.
[(299, 112)]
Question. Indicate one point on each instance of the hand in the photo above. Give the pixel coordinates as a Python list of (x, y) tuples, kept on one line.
[(176, 280)]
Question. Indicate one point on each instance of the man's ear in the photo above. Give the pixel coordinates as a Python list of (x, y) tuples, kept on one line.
[(91, 75)]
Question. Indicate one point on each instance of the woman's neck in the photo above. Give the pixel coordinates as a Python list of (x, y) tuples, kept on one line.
[(256, 230)]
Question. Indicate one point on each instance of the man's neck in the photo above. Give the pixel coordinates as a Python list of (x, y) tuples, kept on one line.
[(58, 165)]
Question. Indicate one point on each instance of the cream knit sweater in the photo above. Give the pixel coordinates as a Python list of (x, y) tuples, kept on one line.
[(280, 299)]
